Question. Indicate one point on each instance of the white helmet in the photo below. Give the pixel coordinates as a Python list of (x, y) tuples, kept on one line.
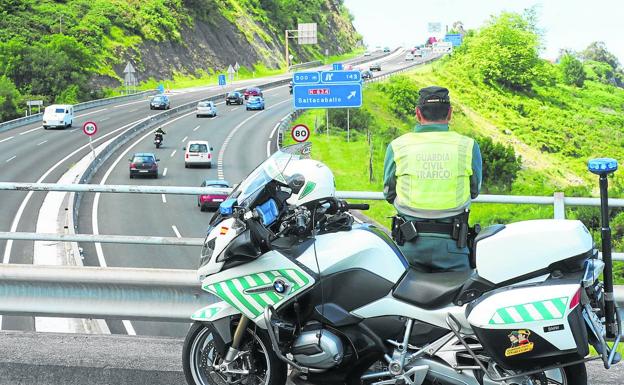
[(315, 179)]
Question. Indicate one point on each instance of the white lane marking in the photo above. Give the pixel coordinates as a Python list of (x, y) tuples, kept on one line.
[(20, 210), (195, 129), (29, 131), (103, 119), (96, 201), (129, 328), (134, 110), (164, 199), (39, 144), (185, 138), (234, 109), (173, 153), (277, 125), (220, 173), (175, 230), (165, 172), (11, 158), (5, 139), (268, 148), (128, 104), (92, 112)]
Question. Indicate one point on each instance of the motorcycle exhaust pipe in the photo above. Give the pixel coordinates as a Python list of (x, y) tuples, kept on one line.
[(603, 167)]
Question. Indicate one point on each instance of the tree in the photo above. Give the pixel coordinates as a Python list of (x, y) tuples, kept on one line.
[(597, 51), (500, 165), (505, 52), (572, 70), (9, 99)]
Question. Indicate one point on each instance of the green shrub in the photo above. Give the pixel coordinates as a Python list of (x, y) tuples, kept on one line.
[(9, 100), (572, 70), (403, 93), (500, 165)]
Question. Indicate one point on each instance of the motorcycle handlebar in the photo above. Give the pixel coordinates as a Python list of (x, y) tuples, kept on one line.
[(357, 206)]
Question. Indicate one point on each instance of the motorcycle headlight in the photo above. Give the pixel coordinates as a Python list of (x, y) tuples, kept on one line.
[(206, 252)]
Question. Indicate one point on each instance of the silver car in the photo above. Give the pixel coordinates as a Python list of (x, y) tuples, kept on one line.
[(206, 109)]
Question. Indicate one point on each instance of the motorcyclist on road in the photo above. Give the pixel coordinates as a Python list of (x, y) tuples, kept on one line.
[(159, 133), (431, 175)]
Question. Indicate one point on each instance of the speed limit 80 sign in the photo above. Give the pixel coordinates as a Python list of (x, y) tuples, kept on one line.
[(300, 133)]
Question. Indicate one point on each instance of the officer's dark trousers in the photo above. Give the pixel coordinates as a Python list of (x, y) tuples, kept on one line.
[(436, 253)]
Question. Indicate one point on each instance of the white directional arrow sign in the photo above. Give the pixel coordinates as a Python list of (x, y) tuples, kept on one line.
[(230, 69), (129, 69), (236, 67), (352, 94)]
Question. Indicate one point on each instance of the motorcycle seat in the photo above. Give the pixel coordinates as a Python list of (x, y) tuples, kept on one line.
[(430, 290)]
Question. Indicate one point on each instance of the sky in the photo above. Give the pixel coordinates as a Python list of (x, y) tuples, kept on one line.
[(571, 24)]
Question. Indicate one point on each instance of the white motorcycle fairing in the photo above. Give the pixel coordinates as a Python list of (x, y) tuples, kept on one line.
[(214, 312)]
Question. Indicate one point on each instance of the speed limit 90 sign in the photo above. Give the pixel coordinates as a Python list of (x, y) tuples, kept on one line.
[(300, 133)]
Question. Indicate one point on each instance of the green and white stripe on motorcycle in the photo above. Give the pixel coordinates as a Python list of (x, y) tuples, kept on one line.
[(236, 291), (206, 313), (533, 311)]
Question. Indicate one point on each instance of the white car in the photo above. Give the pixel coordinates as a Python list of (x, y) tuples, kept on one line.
[(409, 56), (207, 108), (197, 153), (58, 115)]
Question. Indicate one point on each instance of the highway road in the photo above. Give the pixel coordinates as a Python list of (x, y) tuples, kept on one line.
[(240, 140), (31, 154)]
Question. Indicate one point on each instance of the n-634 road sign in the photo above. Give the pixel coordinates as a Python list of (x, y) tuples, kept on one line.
[(346, 95)]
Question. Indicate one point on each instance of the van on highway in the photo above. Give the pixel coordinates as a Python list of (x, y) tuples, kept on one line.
[(58, 115), (197, 153)]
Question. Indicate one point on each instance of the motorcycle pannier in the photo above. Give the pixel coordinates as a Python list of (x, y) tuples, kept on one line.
[(531, 326)]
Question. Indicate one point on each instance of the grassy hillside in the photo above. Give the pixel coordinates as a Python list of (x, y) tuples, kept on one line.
[(69, 51), (552, 127)]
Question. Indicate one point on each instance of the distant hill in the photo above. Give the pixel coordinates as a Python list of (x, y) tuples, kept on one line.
[(70, 49)]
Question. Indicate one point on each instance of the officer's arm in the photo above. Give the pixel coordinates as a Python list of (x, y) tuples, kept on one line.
[(389, 175), (477, 171)]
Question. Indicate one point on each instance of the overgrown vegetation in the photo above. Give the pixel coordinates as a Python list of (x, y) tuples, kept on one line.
[(53, 50), (536, 132)]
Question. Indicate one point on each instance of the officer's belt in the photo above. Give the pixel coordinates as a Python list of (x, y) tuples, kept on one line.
[(431, 227)]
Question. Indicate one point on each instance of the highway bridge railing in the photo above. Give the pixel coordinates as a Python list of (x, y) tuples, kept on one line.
[(110, 293), (558, 200)]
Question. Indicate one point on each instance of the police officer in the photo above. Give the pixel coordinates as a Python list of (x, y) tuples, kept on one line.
[(431, 175)]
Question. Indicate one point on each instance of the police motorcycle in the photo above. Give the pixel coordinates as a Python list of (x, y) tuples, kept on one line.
[(301, 285), (158, 138)]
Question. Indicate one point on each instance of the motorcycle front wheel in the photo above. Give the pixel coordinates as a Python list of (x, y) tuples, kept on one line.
[(200, 359)]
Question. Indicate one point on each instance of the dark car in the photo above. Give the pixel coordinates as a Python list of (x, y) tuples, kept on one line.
[(367, 74), (375, 67), (207, 201), (253, 91), (160, 102), (386, 49), (144, 163), (234, 98)]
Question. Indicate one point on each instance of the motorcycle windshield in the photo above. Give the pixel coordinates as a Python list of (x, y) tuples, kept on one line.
[(269, 170)]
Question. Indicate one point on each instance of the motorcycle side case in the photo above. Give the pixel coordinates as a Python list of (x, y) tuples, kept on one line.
[(530, 326)]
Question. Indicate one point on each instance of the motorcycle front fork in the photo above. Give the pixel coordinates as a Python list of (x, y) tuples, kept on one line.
[(238, 336)]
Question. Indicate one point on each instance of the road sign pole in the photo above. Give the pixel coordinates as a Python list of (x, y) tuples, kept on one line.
[(91, 146), (286, 50), (327, 120), (348, 132)]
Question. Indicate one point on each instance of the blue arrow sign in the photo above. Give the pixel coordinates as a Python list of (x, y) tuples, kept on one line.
[(341, 77), (337, 66), (222, 80), (306, 77), (344, 95)]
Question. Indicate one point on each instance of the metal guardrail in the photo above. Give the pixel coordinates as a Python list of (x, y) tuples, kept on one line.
[(123, 239), (93, 292), (309, 64), (118, 293), (10, 124)]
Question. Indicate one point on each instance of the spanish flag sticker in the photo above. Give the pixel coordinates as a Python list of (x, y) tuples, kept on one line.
[(224, 230)]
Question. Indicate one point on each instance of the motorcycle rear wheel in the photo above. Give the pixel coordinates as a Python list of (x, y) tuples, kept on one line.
[(198, 355)]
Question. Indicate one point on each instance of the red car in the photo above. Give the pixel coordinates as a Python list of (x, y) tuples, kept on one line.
[(253, 91), (206, 201)]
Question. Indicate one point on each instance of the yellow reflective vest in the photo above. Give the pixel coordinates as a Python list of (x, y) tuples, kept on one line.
[(433, 172)]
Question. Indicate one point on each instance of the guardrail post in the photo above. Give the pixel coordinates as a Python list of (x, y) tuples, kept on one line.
[(559, 205)]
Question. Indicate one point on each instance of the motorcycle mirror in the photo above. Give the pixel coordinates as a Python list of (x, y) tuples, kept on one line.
[(296, 182)]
